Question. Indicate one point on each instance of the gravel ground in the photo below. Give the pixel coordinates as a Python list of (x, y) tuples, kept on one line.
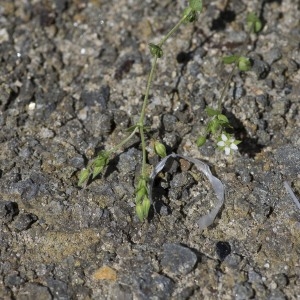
[(72, 78)]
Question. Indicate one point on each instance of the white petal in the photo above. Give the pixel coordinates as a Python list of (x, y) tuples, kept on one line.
[(227, 150), (233, 146), (221, 144), (231, 140), (224, 137)]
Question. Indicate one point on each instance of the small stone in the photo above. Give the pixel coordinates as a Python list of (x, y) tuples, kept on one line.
[(33, 291), (254, 276), (181, 180), (232, 261), (77, 162), (280, 106), (27, 189), (148, 285), (177, 259), (259, 67), (58, 289), (105, 273), (13, 279), (243, 291), (121, 291), (24, 221), (46, 133), (277, 295), (8, 210), (289, 159), (281, 280), (98, 97), (273, 55), (4, 36), (169, 122)]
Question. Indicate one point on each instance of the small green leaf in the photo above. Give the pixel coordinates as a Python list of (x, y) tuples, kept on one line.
[(99, 163), (155, 50), (97, 171), (192, 17), (196, 5), (160, 149), (83, 176), (187, 11), (230, 59), (244, 64), (253, 22), (213, 126), (223, 119), (201, 141), (211, 112)]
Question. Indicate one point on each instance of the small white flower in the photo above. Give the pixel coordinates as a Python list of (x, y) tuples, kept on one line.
[(227, 143)]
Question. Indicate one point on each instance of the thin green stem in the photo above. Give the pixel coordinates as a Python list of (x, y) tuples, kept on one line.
[(146, 97), (124, 141), (163, 40), (142, 117)]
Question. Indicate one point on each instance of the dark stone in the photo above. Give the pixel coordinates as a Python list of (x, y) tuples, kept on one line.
[(77, 162), (98, 97), (178, 259), (223, 249), (277, 295), (27, 189), (24, 221), (8, 210), (281, 280), (259, 67), (243, 291), (59, 289), (13, 279), (169, 122), (273, 55), (181, 180), (121, 292), (33, 291), (154, 284), (289, 159), (185, 294)]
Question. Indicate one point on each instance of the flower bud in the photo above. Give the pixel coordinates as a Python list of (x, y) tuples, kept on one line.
[(140, 193), (140, 211), (83, 176), (160, 149), (201, 141), (146, 206), (244, 64)]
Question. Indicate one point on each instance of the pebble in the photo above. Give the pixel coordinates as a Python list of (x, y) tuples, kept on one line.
[(177, 259), (58, 289), (24, 221), (243, 291), (260, 67), (273, 55), (34, 291), (27, 189), (8, 210)]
